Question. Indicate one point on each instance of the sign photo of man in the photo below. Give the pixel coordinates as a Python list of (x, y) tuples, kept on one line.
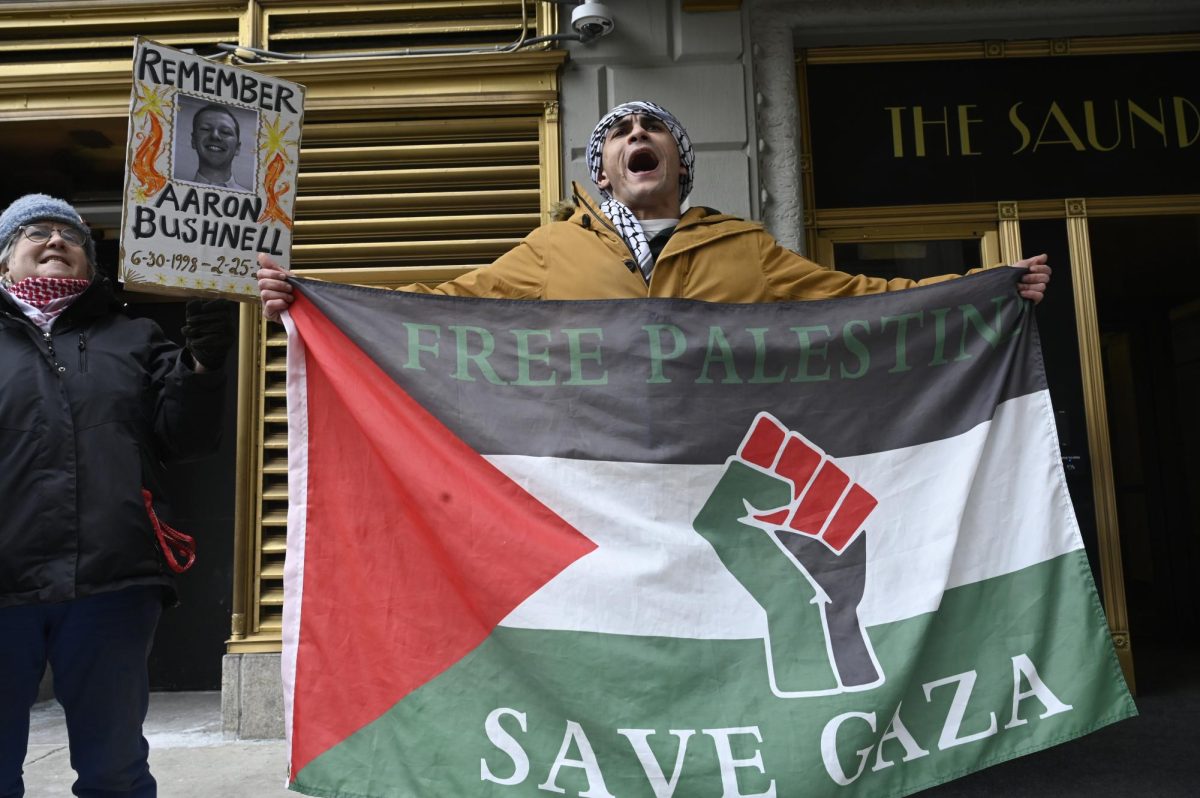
[(209, 149), (210, 173)]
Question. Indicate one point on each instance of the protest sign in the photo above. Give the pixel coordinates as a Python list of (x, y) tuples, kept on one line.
[(210, 177)]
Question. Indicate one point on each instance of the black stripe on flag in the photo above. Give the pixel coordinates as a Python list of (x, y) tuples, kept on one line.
[(680, 381)]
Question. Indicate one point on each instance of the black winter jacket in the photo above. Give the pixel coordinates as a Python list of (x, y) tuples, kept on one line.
[(88, 413)]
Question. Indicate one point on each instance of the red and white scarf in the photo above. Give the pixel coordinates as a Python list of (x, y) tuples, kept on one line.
[(41, 291), (44, 298)]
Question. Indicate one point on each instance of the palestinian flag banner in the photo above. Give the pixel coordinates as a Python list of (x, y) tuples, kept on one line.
[(677, 548)]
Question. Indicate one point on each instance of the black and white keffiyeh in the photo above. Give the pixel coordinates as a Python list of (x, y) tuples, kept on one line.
[(630, 229), (622, 218)]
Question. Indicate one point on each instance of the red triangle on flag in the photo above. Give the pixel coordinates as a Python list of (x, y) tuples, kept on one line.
[(415, 546)]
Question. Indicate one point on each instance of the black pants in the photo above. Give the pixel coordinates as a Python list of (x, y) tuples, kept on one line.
[(97, 648)]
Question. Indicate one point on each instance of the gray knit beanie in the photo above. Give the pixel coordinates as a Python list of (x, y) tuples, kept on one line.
[(39, 207)]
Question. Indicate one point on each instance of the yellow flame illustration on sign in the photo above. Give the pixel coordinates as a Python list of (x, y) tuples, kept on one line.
[(274, 151), (153, 103)]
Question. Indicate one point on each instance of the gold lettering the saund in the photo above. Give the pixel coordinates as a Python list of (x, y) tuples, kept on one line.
[(1092, 126), (925, 121), (1089, 125)]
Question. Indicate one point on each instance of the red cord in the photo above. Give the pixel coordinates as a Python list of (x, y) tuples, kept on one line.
[(178, 548)]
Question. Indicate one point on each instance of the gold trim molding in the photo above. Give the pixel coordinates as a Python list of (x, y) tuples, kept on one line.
[(972, 212), (1010, 231), (1095, 207), (101, 89), (549, 142), (1096, 412), (248, 459), (990, 49)]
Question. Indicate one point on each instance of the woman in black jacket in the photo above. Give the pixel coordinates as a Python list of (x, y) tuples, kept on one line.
[(91, 404)]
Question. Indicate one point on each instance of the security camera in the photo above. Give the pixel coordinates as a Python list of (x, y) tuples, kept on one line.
[(592, 20)]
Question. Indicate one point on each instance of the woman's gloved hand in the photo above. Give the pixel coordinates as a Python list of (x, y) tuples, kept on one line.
[(209, 331)]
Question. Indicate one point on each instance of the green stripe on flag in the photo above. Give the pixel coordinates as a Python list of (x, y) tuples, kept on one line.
[(568, 712)]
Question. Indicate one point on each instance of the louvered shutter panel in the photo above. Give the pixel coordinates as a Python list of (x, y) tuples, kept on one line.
[(388, 203), (371, 27)]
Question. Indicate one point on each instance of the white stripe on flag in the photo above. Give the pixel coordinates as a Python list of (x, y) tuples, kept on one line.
[(293, 565), (652, 574)]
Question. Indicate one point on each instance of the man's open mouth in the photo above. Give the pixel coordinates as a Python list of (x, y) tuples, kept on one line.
[(643, 161)]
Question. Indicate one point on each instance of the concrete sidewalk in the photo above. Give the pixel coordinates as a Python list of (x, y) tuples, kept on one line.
[(188, 755), (1156, 755)]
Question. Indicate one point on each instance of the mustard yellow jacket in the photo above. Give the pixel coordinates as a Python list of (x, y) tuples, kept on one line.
[(711, 256)]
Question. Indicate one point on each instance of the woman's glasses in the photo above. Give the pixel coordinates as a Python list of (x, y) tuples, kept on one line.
[(40, 233)]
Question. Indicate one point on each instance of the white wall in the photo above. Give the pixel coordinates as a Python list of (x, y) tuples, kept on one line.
[(693, 64)]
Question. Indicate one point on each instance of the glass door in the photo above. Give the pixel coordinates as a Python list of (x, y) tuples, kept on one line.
[(913, 252), (1148, 321), (1066, 321)]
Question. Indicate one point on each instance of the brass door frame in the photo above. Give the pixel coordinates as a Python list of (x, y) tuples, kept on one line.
[(932, 221), (821, 226), (1076, 212), (1005, 231), (988, 235)]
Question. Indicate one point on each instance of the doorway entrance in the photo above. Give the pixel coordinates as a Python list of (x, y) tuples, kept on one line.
[(941, 133), (1148, 313)]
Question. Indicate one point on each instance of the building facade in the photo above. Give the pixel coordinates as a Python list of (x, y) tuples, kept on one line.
[(891, 137)]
